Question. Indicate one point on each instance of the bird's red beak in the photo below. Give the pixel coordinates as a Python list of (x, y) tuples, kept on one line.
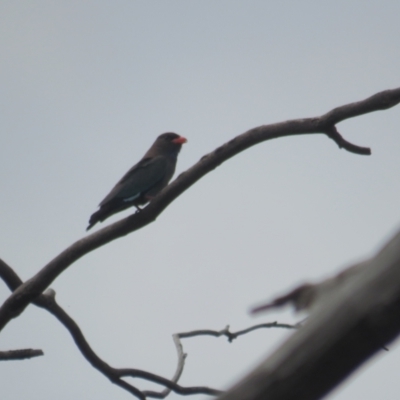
[(179, 140)]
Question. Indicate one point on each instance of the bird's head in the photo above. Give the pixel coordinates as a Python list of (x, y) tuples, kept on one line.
[(170, 142)]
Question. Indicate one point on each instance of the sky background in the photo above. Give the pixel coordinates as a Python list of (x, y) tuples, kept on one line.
[(86, 87)]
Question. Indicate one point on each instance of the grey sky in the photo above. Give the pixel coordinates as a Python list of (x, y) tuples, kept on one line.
[(86, 86)]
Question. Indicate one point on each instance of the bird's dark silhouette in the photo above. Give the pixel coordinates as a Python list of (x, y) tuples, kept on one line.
[(144, 180)]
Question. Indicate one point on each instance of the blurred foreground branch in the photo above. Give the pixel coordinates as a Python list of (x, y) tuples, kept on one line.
[(353, 316)]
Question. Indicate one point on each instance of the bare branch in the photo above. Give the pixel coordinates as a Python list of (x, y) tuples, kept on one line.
[(48, 302), (115, 375), (379, 101), (208, 332), (233, 335), (20, 354), (178, 373), (19, 299), (9, 276), (332, 133)]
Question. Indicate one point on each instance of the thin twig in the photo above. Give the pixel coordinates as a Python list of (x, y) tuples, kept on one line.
[(233, 335), (178, 373), (208, 332), (333, 133)]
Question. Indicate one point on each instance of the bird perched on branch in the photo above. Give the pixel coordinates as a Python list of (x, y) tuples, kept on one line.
[(144, 180)]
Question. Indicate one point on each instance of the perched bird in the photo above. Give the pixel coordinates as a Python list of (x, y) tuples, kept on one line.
[(144, 180)]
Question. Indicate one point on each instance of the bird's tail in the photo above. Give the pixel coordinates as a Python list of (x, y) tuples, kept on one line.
[(106, 210), (98, 216)]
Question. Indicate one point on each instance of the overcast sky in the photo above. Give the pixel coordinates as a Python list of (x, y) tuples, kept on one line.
[(85, 88)]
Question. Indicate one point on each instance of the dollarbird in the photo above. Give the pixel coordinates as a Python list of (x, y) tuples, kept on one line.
[(144, 180)]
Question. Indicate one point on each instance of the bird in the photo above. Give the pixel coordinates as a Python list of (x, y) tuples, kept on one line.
[(144, 180)]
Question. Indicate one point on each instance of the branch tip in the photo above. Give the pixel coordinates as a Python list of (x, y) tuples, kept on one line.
[(333, 134)]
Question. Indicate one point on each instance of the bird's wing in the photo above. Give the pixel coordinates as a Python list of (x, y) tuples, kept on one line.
[(140, 178)]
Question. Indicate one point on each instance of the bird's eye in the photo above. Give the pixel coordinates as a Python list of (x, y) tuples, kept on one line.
[(172, 136)]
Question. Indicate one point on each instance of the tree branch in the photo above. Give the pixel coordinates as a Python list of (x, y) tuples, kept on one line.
[(233, 335), (178, 373), (333, 133), (115, 375), (352, 317), (208, 332), (48, 302), (20, 354), (21, 297)]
